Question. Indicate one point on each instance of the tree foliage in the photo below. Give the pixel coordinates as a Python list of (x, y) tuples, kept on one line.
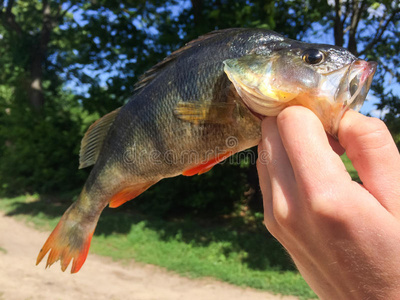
[(66, 63)]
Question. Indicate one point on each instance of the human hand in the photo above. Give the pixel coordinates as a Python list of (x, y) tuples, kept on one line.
[(343, 237)]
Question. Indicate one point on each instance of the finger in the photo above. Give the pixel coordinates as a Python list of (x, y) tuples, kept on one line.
[(374, 154), (266, 190), (335, 145), (317, 168), (283, 183)]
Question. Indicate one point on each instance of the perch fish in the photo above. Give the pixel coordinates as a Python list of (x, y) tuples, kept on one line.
[(197, 107)]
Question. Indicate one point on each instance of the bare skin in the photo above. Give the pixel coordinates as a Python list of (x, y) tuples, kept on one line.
[(343, 237)]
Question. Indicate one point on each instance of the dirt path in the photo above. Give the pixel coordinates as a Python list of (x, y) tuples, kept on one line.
[(100, 278)]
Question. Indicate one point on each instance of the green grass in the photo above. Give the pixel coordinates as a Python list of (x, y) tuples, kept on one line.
[(236, 250), (233, 250), (350, 168)]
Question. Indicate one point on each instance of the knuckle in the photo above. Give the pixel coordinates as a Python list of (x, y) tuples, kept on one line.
[(333, 206), (284, 216), (376, 124), (372, 135), (322, 202), (323, 208), (281, 218)]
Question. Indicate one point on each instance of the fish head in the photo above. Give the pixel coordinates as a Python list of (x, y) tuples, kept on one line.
[(326, 79)]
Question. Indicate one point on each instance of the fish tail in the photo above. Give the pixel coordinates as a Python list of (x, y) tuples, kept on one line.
[(71, 238)]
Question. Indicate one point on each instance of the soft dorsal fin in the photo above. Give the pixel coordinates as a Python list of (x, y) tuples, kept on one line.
[(94, 138), (150, 74)]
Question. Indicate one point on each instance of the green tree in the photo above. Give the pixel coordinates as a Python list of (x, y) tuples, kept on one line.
[(29, 123), (26, 32), (42, 46)]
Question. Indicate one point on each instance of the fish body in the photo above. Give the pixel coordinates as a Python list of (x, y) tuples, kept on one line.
[(189, 112)]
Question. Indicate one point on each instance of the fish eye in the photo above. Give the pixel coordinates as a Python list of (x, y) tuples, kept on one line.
[(313, 56)]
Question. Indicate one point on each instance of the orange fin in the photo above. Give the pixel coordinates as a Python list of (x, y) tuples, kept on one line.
[(128, 194), (69, 240), (207, 166)]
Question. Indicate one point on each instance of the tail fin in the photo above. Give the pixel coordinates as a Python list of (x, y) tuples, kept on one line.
[(70, 240)]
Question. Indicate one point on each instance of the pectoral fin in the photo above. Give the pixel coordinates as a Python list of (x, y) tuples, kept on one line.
[(205, 112)]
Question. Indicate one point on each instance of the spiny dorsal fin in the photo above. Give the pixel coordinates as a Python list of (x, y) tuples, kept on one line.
[(150, 74), (94, 138)]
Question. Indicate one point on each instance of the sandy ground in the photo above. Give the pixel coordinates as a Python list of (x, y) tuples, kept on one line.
[(100, 278)]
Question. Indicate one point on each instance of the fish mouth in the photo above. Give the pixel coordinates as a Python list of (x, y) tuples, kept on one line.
[(354, 85), (351, 91)]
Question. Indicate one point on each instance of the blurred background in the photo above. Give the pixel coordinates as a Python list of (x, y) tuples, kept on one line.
[(64, 64)]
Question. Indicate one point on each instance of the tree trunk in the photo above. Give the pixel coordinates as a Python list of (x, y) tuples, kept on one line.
[(38, 56), (35, 95), (358, 8), (338, 24), (197, 11)]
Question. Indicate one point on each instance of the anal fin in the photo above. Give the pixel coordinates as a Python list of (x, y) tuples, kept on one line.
[(129, 193)]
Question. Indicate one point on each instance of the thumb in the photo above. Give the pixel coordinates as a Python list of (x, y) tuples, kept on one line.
[(374, 154)]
